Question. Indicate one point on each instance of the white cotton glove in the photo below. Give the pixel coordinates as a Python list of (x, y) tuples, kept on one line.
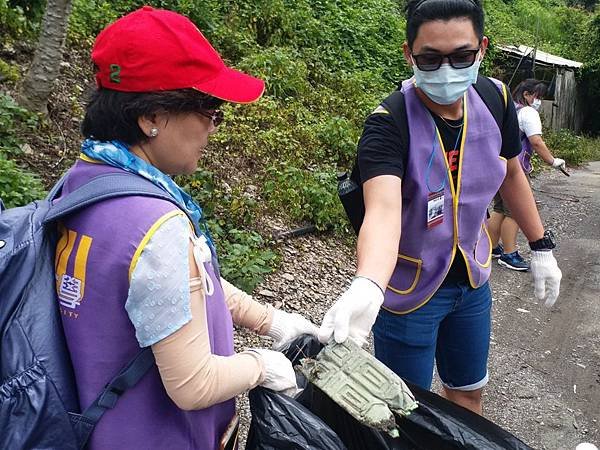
[(279, 373), (546, 276), (559, 163), (286, 326), (353, 314)]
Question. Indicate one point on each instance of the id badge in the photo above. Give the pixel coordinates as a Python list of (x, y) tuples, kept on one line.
[(229, 440), (435, 208)]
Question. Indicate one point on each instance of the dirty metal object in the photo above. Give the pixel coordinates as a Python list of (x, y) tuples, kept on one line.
[(360, 384)]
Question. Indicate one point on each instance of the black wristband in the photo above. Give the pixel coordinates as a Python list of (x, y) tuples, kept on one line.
[(545, 243)]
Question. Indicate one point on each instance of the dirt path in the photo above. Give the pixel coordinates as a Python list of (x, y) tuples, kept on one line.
[(544, 364)]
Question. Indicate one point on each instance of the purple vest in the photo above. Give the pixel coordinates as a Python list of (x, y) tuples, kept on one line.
[(93, 261), (526, 149), (425, 254)]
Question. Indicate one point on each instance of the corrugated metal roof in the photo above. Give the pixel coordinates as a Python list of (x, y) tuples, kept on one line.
[(540, 56)]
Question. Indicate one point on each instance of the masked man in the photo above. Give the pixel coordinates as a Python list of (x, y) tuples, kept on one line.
[(422, 271)]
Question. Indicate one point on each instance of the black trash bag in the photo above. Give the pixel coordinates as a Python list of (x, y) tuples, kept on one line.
[(436, 424), (280, 422)]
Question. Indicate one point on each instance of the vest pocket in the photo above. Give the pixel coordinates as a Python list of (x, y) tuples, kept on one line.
[(406, 275), (483, 248)]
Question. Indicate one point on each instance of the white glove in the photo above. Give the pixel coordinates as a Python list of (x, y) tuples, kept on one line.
[(353, 314), (279, 373), (546, 276), (286, 327), (559, 163)]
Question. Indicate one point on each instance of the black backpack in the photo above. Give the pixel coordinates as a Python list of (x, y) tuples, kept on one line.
[(39, 407), (351, 194)]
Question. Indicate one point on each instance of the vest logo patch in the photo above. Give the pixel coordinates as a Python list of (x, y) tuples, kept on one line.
[(71, 266), (69, 291)]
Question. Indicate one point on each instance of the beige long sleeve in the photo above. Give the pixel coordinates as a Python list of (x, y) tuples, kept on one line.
[(247, 312), (193, 377)]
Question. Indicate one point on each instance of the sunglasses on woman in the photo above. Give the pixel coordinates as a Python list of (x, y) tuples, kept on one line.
[(217, 116), (428, 62)]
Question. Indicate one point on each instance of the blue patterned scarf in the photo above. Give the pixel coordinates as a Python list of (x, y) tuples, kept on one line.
[(117, 154)]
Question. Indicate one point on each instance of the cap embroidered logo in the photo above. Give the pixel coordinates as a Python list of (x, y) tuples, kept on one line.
[(115, 72)]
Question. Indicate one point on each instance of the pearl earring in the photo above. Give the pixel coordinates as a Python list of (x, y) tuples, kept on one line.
[(153, 132)]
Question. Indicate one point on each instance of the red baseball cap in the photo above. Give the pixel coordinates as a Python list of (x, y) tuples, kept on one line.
[(158, 50)]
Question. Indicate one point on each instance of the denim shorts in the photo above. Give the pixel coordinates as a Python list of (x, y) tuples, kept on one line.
[(453, 328)]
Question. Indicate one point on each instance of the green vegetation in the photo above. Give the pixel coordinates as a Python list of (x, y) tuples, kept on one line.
[(573, 148), (245, 255), (13, 20), (14, 122), (17, 186), (307, 195), (327, 63), (9, 71)]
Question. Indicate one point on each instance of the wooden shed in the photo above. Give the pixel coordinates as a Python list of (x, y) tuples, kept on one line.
[(563, 106)]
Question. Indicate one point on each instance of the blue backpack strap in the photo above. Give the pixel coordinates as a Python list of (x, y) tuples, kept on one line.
[(84, 423), (57, 187), (102, 187)]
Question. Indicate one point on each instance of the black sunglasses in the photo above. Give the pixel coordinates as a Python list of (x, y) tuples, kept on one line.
[(428, 62), (217, 116)]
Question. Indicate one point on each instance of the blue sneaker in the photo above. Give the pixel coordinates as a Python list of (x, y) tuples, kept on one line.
[(513, 261), (497, 251)]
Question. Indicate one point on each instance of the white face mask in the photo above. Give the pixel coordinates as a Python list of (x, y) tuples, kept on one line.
[(536, 103), (447, 84)]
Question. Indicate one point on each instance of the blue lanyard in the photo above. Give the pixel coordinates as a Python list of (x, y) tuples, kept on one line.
[(442, 186)]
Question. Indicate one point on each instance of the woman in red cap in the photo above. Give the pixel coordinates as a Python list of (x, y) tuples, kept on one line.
[(142, 272)]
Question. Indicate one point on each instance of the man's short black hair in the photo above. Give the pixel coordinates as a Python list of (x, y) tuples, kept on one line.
[(113, 115), (420, 11)]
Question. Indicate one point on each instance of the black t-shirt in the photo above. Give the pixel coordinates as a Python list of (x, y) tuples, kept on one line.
[(383, 151)]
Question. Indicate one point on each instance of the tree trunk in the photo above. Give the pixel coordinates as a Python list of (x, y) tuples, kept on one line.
[(45, 67)]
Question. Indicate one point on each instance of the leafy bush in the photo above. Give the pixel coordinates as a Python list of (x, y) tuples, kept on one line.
[(574, 149), (9, 71), (245, 257), (20, 18), (14, 121), (284, 73), (305, 195), (17, 186)]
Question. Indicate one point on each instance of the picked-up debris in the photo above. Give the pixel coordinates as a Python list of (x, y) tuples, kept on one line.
[(367, 389)]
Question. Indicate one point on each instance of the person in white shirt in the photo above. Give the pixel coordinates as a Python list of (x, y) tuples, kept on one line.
[(528, 98)]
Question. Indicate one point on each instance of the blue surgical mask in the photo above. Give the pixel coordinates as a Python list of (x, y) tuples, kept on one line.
[(447, 84), (536, 104)]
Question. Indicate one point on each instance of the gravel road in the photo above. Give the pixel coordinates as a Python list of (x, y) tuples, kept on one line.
[(544, 364)]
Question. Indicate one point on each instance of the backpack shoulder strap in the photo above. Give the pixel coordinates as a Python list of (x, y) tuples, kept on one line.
[(396, 106), (494, 97), (84, 423), (103, 187)]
